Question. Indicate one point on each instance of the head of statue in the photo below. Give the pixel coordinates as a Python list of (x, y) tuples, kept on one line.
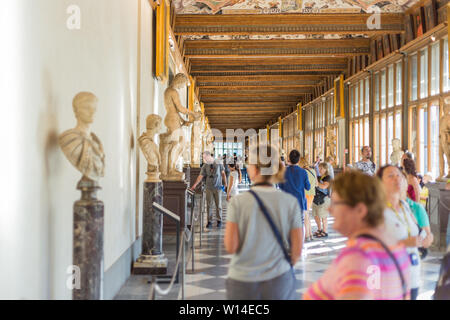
[(179, 81), (153, 123), (396, 143), (84, 106)]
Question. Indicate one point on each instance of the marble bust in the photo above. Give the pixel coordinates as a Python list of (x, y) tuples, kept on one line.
[(150, 149), (173, 142), (444, 142), (397, 152), (82, 147)]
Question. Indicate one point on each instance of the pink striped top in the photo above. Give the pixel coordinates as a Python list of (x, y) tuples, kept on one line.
[(363, 271)]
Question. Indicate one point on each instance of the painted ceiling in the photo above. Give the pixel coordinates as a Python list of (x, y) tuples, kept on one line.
[(276, 37), (290, 6)]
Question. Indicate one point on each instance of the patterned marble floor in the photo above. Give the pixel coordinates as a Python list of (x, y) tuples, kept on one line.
[(211, 260)]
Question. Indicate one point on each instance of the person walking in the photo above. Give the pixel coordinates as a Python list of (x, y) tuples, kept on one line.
[(321, 201), (309, 194), (329, 161), (296, 181), (215, 176), (400, 222), (357, 205), (261, 265), (409, 167), (235, 178), (366, 165)]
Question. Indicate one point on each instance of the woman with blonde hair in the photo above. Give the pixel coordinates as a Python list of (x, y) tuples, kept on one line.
[(357, 205), (260, 225), (309, 194)]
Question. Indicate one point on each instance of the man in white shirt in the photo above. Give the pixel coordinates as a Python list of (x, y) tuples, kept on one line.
[(366, 165)]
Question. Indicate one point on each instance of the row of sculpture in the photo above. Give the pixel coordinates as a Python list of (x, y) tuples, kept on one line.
[(85, 152)]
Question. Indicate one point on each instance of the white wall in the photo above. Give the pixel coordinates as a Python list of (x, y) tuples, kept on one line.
[(47, 65)]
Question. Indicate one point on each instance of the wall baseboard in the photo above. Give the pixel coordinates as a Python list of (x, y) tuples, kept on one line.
[(115, 277)]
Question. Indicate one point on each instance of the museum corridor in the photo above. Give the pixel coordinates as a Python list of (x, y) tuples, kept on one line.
[(117, 111)]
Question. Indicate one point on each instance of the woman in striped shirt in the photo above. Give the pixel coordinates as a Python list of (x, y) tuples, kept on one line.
[(372, 265)]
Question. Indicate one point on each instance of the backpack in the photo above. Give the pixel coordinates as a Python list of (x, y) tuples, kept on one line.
[(442, 291)]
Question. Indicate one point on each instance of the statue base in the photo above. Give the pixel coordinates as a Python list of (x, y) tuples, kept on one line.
[(150, 264), (153, 177), (175, 200), (88, 216), (174, 176)]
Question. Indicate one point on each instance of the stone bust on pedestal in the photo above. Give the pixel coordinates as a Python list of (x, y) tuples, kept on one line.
[(82, 147), (150, 149), (397, 152), (173, 142)]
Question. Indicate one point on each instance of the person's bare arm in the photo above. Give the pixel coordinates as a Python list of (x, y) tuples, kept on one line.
[(224, 179), (296, 244), (229, 187), (231, 239), (416, 186), (199, 178)]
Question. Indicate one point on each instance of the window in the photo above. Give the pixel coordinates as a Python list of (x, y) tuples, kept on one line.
[(413, 93), (434, 135), (376, 79), (228, 148), (445, 80), (391, 85), (398, 99), (383, 89), (424, 73), (435, 69), (359, 120)]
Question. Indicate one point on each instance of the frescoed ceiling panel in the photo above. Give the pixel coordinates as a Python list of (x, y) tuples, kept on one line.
[(289, 6)]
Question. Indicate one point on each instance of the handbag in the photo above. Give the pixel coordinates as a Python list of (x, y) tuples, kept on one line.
[(273, 227), (391, 255)]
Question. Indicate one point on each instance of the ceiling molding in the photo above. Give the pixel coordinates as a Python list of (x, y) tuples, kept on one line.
[(277, 24)]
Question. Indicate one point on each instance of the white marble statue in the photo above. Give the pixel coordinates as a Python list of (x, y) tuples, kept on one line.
[(150, 149), (397, 152), (196, 142), (82, 147), (444, 143), (173, 142), (331, 142)]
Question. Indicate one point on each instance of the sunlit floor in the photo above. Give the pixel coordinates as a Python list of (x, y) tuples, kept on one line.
[(211, 261)]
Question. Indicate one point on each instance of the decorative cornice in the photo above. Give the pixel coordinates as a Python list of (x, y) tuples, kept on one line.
[(258, 83), (268, 67), (284, 29), (264, 73), (277, 51)]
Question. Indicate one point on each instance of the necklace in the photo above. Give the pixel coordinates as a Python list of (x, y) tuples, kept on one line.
[(405, 221)]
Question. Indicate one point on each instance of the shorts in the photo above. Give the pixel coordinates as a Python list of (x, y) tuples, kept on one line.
[(309, 201), (321, 210)]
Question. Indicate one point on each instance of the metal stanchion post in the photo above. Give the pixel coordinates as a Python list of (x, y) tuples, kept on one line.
[(183, 270)]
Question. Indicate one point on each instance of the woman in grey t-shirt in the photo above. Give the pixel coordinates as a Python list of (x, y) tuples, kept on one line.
[(258, 268)]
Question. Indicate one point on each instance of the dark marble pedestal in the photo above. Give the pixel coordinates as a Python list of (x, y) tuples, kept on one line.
[(152, 259), (195, 172), (88, 214), (175, 200), (438, 208), (187, 174)]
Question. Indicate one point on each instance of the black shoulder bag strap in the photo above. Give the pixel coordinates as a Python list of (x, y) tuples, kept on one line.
[(389, 252), (272, 225)]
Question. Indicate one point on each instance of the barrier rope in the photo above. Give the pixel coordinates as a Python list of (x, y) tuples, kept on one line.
[(186, 236)]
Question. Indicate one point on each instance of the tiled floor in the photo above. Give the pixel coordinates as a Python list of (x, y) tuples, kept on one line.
[(207, 282)]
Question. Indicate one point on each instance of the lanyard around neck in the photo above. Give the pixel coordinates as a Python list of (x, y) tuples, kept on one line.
[(405, 222)]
